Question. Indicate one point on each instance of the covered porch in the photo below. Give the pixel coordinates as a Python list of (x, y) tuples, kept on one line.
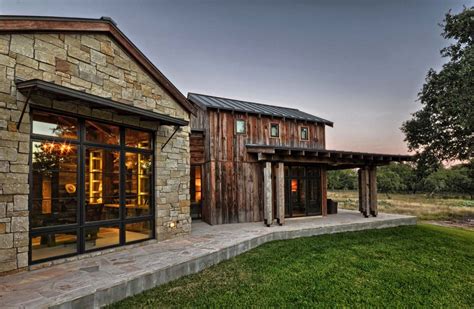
[(280, 182)]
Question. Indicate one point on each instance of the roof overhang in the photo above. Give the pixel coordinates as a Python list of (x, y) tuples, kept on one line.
[(334, 159), (29, 24), (37, 86)]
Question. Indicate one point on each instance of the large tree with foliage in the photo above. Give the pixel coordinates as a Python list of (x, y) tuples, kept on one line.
[(444, 128)]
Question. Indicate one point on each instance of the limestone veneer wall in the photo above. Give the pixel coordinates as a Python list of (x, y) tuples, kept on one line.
[(97, 65)]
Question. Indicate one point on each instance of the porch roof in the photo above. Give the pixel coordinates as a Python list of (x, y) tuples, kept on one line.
[(42, 87), (335, 159)]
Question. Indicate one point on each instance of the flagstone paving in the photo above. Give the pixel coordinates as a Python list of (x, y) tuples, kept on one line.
[(101, 280)]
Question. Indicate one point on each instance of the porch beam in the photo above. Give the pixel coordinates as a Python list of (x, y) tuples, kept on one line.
[(267, 194), (280, 193)]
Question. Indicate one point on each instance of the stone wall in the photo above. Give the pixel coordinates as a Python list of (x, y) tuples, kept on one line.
[(97, 65)]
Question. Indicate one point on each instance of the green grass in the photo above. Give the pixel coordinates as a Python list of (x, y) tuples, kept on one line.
[(414, 266)]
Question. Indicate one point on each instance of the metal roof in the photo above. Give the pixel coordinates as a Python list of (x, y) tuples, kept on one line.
[(207, 101)]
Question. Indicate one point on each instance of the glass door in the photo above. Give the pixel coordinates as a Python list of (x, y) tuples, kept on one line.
[(302, 191)]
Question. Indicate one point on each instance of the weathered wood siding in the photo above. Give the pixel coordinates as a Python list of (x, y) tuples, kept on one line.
[(233, 190)]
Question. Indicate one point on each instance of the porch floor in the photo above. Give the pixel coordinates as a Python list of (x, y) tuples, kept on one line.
[(101, 280)]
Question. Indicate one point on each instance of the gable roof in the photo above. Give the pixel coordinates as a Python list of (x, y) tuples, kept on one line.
[(207, 101), (105, 25)]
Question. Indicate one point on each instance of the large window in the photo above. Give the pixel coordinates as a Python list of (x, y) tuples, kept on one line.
[(91, 186)]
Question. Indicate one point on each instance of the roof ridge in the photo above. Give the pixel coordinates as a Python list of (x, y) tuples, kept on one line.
[(213, 96)]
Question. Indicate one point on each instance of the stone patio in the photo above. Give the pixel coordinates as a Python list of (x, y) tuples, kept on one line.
[(104, 279)]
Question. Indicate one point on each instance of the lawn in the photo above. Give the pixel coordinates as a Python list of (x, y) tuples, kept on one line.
[(425, 208), (411, 266)]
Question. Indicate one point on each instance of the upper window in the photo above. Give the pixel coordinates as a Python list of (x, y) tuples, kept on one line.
[(304, 134), (274, 130), (55, 125), (240, 126)]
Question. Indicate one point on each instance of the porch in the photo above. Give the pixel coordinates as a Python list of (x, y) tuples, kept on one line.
[(107, 278), (298, 176)]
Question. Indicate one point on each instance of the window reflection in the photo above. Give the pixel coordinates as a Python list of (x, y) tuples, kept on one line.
[(304, 134), (137, 139), (101, 237), (102, 133), (102, 184), (138, 183), (54, 125), (274, 130), (138, 231), (54, 187), (48, 245)]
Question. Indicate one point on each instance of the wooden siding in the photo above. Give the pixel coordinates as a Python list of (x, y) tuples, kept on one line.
[(233, 178)]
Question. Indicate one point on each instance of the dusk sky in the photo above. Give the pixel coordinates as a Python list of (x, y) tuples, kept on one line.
[(359, 64)]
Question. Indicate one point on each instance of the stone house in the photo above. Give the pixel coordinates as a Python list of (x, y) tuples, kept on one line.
[(94, 143)]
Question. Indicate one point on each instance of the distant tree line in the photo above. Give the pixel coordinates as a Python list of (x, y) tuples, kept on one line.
[(405, 178)]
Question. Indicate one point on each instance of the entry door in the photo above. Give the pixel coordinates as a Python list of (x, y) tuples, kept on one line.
[(303, 191)]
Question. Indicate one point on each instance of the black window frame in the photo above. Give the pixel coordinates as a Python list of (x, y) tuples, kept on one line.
[(81, 223)]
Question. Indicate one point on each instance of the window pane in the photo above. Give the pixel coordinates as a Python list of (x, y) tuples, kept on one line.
[(102, 133), (196, 184), (100, 237), (54, 184), (54, 125), (102, 184), (137, 231), (50, 212), (304, 133), (50, 245), (138, 184), (138, 139), (240, 126), (51, 156), (274, 128)]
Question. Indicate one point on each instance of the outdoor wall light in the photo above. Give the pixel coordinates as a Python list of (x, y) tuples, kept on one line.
[(172, 224)]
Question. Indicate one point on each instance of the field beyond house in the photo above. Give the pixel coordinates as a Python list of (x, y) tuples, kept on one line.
[(438, 208), (413, 266)]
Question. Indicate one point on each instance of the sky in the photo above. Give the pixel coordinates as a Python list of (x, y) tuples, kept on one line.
[(359, 64)]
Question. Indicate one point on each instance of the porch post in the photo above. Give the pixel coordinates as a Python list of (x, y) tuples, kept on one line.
[(364, 191), (373, 190), (280, 193), (267, 194)]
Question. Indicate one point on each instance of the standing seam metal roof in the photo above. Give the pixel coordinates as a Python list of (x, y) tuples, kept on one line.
[(208, 101)]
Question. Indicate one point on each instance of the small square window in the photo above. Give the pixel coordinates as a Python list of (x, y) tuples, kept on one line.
[(240, 126), (274, 130), (304, 134)]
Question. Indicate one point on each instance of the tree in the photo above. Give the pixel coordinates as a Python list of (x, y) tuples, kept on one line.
[(444, 128), (342, 180), (389, 182)]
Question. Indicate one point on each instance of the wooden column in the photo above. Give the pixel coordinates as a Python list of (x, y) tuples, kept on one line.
[(267, 194), (324, 191), (364, 191), (280, 193), (373, 191)]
